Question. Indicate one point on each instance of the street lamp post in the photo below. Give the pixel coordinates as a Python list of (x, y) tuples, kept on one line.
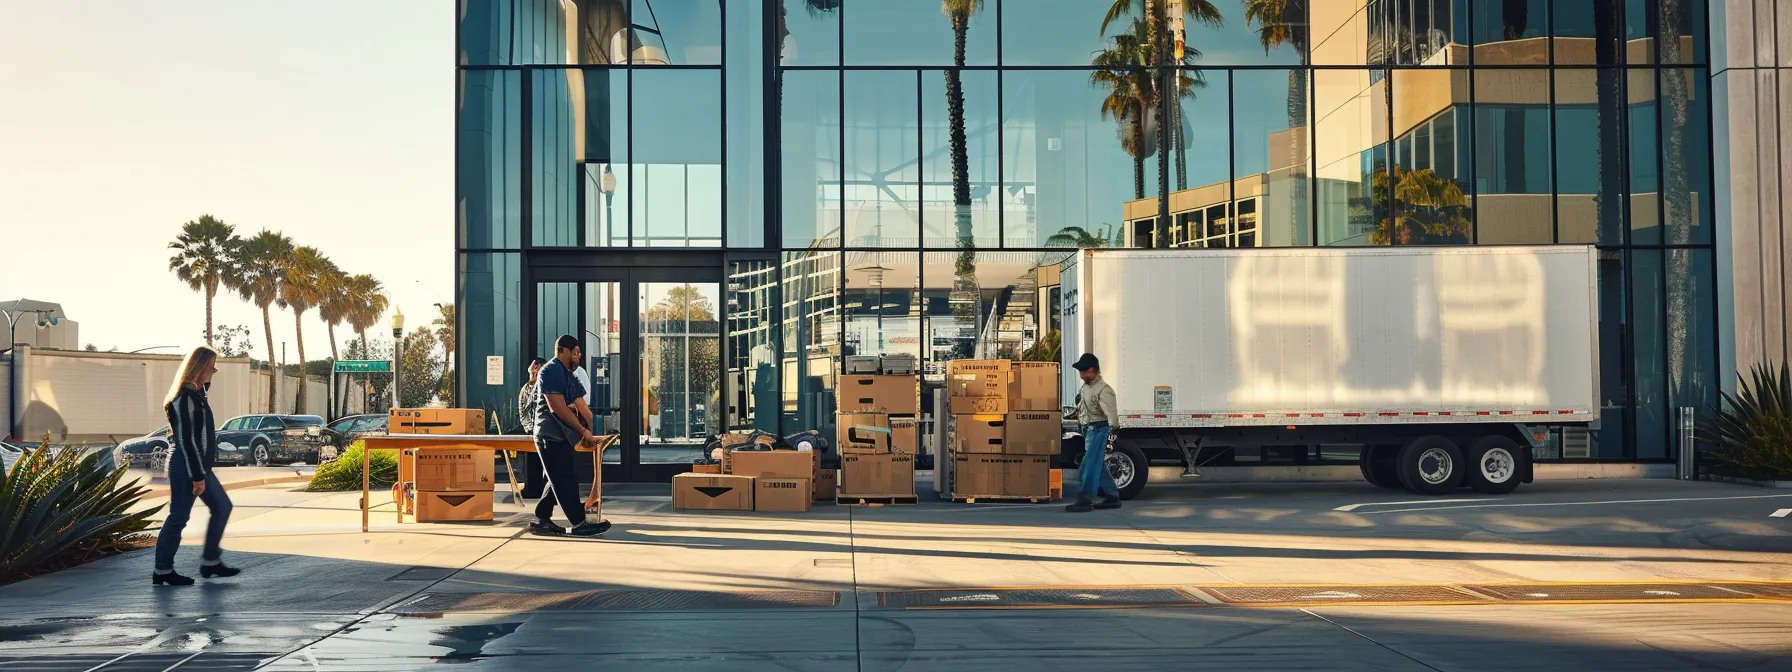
[(16, 378), (397, 350)]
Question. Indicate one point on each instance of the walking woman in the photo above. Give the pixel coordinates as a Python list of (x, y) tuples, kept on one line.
[(193, 450)]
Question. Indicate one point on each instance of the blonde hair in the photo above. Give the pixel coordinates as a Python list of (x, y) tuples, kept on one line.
[(196, 361)]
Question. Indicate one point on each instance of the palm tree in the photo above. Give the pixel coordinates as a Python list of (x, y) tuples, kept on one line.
[(367, 304), (302, 288), (1164, 56), (1282, 22), (1427, 209), (259, 271), (1078, 237), (204, 253), (967, 307), (334, 311), (1125, 73), (444, 332)]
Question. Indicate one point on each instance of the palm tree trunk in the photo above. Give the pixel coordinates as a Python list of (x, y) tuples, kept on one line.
[(298, 323), (335, 390), (211, 292), (1166, 92), (1679, 215), (1609, 96), (1181, 143), (965, 309), (1297, 118), (267, 328), (1138, 157)]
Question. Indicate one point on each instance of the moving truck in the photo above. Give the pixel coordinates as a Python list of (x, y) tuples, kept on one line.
[(1432, 367)]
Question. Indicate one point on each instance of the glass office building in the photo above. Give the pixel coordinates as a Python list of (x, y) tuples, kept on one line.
[(725, 198)]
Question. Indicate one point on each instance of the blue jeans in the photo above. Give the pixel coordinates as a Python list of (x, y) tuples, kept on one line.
[(180, 510), (1094, 475)]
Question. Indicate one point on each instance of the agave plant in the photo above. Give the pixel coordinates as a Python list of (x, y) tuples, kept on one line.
[(1750, 433), (54, 508)]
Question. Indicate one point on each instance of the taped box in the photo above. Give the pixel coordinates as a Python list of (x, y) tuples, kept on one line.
[(891, 395), (712, 492), (783, 494), (863, 433), (880, 475)]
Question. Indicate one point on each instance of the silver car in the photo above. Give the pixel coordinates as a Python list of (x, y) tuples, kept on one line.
[(9, 455)]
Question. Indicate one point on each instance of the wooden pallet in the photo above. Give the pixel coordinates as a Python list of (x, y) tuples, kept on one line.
[(1000, 499), (887, 500)]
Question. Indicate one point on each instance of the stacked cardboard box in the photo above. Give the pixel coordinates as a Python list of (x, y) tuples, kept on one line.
[(712, 492), (878, 435), (1004, 428), (450, 485)]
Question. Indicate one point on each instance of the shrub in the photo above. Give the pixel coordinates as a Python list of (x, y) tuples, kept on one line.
[(345, 472), (1751, 433), (63, 510)]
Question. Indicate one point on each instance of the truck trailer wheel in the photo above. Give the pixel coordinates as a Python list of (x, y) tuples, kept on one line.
[(1377, 465), (1129, 468), (1430, 465), (1493, 465)]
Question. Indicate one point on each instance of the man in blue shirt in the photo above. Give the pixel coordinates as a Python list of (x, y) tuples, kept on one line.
[(559, 425)]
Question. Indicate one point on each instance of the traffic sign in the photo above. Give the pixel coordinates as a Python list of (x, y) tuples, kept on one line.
[(364, 366)]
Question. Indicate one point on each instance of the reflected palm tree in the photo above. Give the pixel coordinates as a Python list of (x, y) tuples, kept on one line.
[(1167, 50), (1126, 75), (966, 306), (1679, 216), (1078, 237), (1427, 209), (1284, 22)]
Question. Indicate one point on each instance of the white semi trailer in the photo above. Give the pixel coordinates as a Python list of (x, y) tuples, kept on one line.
[(1434, 367)]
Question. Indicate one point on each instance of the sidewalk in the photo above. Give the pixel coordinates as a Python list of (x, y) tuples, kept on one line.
[(233, 478)]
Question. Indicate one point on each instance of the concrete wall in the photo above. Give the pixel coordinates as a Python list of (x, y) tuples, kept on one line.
[(102, 397), (1751, 89)]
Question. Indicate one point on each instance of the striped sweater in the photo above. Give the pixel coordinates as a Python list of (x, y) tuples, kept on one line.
[(192, 435)]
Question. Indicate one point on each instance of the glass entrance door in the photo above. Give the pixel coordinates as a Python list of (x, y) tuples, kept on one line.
[(652, 364)]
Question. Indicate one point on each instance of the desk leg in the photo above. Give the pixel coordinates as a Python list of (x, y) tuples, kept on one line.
[(366, 462)]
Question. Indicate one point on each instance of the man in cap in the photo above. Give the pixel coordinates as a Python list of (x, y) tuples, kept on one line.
[(1095, 409)]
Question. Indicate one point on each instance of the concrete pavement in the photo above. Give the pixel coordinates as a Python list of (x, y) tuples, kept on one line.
[(318, 594)]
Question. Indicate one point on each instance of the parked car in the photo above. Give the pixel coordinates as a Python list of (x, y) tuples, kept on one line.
[(356, 426), (9, 455), (261, 440), (149, 451)]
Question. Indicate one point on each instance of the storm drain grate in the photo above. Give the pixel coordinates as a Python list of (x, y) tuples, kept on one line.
[(1307, 595), (423, 574), (1035, 598), (146, 662), (617, 600), (1636, 592)]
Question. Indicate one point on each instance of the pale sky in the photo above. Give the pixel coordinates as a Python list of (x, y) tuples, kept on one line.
[(331, 121)]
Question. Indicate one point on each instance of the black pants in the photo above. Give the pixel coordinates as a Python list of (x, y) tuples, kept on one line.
[(558, 460), (534, 479)]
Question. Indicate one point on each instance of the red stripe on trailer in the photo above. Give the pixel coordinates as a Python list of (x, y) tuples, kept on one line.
[(1565, 412), (1315, 415), (1482, 413), (1234, 415), (1539, 412), (1445, 413), (1505, 413), (1257, 415), (1421, 413), (1353, 415), (1202, 416), (1135, 417), (1390, 415), (1293, 415), (1160, 416)]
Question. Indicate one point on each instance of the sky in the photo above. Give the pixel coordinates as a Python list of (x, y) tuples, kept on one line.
[(330, 121)]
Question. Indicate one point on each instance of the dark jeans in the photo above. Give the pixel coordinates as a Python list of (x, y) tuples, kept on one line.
[(558, 459), (1095, 478), (180, 510)]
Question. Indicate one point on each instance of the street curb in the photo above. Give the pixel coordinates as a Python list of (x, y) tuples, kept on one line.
[(162, 493)]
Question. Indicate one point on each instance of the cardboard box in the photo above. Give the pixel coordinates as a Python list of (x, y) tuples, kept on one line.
[(444, 507), (783, 494), (863, 433), (435, 421), (706, 469), (712, 492), (1035, 387), (775, 464), (445, 470), (1033, 433), (979, 433), (892, 395), (905, 434), (978, 377), (1055, 487), (826, 484), (978, 405), (882, 475), (986, 475)]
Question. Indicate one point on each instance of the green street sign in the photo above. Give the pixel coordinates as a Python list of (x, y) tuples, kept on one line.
[(364, 366)]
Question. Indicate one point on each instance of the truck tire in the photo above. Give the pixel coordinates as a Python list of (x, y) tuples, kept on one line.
[(1493, 465), (1430, 465), (1377, 465), (1127, 462)]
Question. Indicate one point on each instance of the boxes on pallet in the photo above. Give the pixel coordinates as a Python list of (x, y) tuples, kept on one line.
[(978, 405), (442, 507), (890, 395), (905, 434), (1033, 433), (827, 483), (863, 433), (435, 421), (783, 494), (775, 463), (877, 475), (986, 475), (1034, 387), (712, 492), (454, 470), (979, 433), (978, 377)]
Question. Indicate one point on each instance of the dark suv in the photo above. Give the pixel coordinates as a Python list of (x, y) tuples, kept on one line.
[(261, 440)]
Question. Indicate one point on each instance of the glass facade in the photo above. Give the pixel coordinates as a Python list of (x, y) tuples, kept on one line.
[(884, 177)]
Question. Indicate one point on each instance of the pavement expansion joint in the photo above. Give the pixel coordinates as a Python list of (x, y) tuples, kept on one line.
[(1359, 595)]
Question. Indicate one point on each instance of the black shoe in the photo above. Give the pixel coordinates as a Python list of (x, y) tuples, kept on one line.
[(1108, 504), (219, 570), (545, 527), (590, 529), (1080, 507), (170, 579)]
